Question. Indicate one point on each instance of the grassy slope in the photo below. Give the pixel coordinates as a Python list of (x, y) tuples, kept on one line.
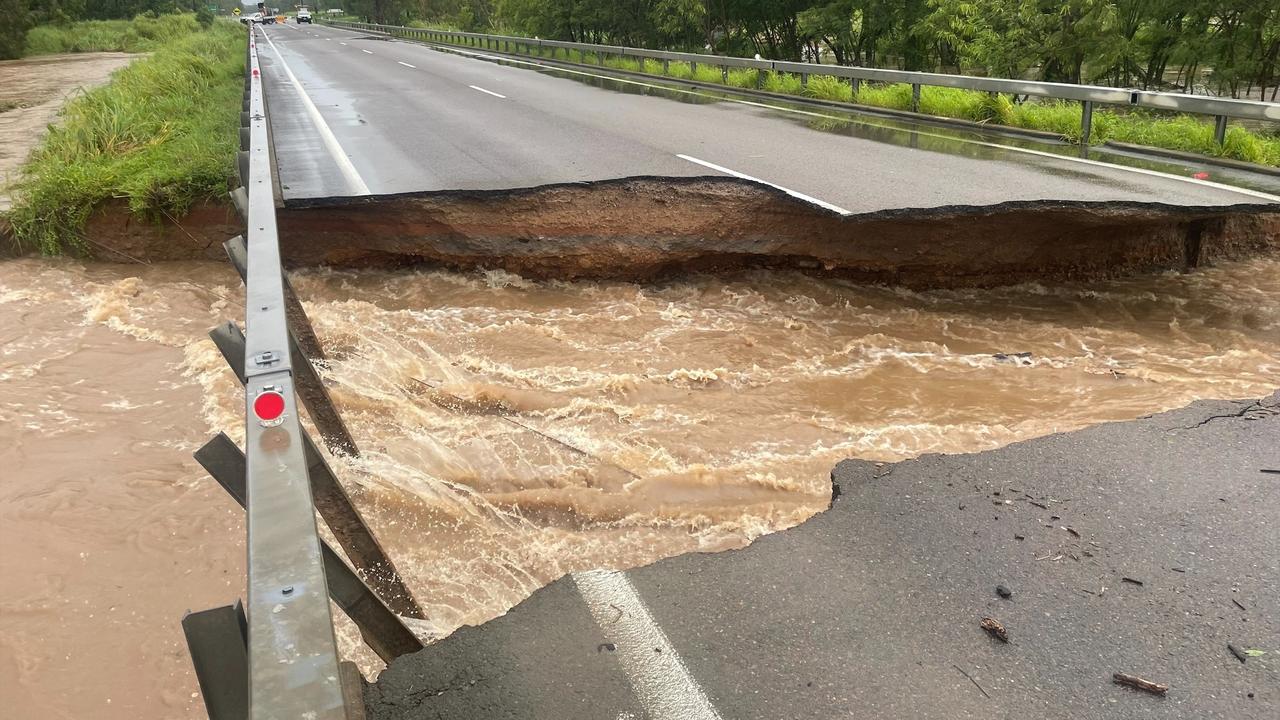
[(1181, 132), (141, 34), (162, 134)]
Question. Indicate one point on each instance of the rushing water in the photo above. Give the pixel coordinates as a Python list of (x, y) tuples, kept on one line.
[(513, 431)]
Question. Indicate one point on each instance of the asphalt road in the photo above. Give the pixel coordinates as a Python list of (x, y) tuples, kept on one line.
[(872, 608), (393, 116)]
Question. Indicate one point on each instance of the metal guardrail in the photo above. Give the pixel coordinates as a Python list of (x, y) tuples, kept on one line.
[(1088, 95), (282, 660), (292, 654)]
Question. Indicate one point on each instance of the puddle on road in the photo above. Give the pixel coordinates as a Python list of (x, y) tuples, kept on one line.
[(703, 412)]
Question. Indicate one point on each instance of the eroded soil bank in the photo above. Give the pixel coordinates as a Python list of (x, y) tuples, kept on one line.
[(646, 228)]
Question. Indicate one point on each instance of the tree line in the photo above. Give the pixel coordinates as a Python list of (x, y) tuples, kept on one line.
[(1228, 47)]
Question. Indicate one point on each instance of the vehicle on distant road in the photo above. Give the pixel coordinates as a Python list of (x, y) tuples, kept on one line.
[(303, 16), (251, 18)]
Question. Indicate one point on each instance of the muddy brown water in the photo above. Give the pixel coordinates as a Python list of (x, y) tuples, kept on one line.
[(702, 412), (33, 90)]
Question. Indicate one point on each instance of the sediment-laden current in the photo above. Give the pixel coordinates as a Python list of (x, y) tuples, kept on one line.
[(513, 431)]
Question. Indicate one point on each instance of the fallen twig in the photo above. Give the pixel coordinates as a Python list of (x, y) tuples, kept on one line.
[(1237, 652), (1237, 602), (995, 628), (1134, 681), (975, 682), (1131, 580)]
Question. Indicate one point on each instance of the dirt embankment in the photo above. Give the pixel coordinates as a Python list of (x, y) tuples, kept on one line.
[(641, 228)]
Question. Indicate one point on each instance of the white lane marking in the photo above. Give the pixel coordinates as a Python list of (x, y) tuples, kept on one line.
[(477, 87), (744, 176), (349, 172), (868, 123), (660, 679), (415, 67), (366, 51), (341, 43)]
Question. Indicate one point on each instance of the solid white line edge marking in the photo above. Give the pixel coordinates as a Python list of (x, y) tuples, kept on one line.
[(349, 172), (477, 87), (660, 679), (415, 67), (744, 176), (366, 51)]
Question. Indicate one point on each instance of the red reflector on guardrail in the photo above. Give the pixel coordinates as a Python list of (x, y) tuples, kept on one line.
[(269, 406)]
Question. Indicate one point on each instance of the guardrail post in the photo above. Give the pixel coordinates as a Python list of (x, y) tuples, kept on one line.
[(666, 66), (1086, 122), (855, 86), (1220, 129), (804, 79), (693, 69), (379, 626), (216, 640), (724, 74), (915, 97)]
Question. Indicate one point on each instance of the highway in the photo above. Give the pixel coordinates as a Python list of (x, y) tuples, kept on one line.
[(355, 114), (869, 609)]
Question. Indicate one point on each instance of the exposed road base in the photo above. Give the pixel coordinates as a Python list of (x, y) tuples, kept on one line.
[(641, 228), (1142, 548)]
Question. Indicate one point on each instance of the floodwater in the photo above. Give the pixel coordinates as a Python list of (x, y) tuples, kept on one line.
[(513, 431)]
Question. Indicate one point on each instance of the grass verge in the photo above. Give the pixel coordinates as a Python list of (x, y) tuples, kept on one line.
[(141, 34), (1173, 132), (162, 135)]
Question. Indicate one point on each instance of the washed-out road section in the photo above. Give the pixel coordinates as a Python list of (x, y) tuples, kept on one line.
[(408, 118)]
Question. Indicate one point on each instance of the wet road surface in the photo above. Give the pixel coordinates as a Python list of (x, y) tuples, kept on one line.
[(355, 114), (1134, 547)]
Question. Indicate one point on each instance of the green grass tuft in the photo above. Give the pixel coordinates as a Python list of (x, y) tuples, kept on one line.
[(162, 134), (826, 87), (779, 82), (743, 78)]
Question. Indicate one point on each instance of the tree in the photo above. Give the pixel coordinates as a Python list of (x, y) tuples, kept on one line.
[(13, 31)]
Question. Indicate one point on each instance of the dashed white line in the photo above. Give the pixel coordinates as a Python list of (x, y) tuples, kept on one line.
[(341, 43), (366, 51), (656, 672), (477, 87), (415, 67), (349, 172), (744, 176)]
